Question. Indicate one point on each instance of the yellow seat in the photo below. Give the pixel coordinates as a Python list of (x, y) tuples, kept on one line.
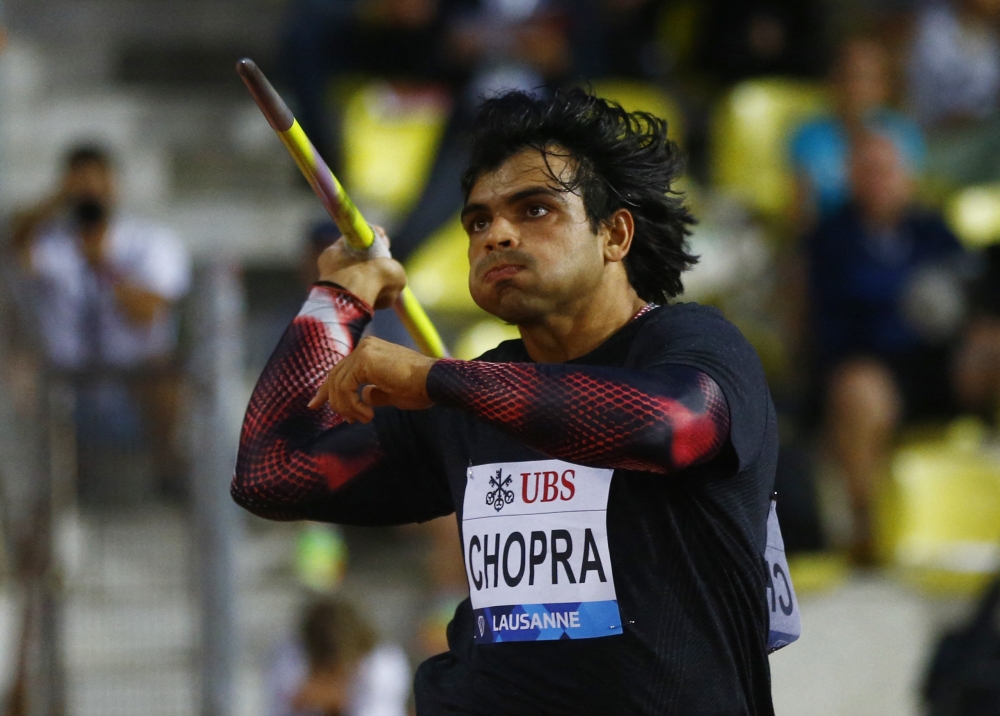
[(438, 272), (750, 134), (938, 516), (390, 139), (974, 215), (636, 96)]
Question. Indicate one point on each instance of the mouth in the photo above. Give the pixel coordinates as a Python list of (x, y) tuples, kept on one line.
[(501, 273)]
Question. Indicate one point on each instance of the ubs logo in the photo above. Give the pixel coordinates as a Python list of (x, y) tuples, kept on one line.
[(499, 495)]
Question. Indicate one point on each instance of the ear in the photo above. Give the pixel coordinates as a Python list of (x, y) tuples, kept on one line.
[(620, 229)]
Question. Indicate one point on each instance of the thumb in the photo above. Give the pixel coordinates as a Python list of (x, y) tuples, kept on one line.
[(375, 397)]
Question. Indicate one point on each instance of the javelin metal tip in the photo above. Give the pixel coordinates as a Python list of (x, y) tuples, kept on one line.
[(245, 64), (278, 115)]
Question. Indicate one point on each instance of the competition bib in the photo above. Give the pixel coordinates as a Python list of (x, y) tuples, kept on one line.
[(786, 626), (536, 552)]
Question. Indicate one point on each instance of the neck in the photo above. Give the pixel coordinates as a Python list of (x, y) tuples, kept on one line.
[(569, 334)]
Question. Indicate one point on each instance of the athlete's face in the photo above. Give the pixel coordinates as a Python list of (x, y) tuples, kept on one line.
[(532, 251)]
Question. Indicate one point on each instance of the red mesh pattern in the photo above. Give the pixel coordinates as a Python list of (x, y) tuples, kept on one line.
[(275, 469), (604, 417)]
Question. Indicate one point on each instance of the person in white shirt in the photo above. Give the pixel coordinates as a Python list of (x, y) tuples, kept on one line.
[(953, 89), (105, 289)]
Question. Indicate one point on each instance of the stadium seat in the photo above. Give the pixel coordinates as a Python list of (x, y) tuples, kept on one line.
[(636, 96), (938, 516), (390, 137), (438, 272), (750, 132), (974, 215)]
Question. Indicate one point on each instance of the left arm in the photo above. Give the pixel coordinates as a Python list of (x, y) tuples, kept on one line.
[(654, 420), (659, 421)]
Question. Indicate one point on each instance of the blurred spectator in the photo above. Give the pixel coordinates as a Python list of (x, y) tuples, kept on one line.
[(322, 39), (739, 39), (106, 283), (954, 88), (336, 668), (105, 288), (619, 38), (887, 312), (860, 89), (476, 47), (954, 71), (494, 45)]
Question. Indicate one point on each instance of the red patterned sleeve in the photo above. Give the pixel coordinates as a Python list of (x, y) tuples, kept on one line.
[(289, 455), (653, 421)]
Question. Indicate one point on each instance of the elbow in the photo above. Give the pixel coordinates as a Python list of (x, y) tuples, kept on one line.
[(247, 489), (239, 488), (259, 490)]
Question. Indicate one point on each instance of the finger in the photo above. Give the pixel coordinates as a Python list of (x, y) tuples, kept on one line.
[(335, 395), (344, 389), (317, 401), (359, 410)]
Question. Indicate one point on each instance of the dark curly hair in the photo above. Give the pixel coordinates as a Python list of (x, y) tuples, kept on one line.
[(620, 160)]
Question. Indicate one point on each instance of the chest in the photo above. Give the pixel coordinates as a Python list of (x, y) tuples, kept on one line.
[(534, 539)]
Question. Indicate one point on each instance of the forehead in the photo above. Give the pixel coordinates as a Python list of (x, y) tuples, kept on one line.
[(527, 169)]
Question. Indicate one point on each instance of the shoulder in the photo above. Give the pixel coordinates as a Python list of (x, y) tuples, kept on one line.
[(144, 235), (54, 247), (686, 332), (701, 338), (814, 132)]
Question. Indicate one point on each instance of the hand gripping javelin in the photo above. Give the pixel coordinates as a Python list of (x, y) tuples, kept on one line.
[(357, 233)]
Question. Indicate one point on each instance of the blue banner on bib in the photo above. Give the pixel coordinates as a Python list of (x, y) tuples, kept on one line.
[(545, 622)]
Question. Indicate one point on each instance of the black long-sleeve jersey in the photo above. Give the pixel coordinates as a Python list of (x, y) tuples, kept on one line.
[(612, 508)]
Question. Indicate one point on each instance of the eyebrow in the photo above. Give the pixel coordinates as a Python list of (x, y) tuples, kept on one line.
[(516, 197)]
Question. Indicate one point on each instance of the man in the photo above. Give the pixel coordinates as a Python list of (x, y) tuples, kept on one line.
[(611, 471), (105, 287), (861, 87), (887, 323)]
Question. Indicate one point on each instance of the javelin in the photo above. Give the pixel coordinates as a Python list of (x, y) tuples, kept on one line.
[(357, 233)]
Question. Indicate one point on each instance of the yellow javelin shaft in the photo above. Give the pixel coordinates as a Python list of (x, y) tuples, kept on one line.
[(357, 232)]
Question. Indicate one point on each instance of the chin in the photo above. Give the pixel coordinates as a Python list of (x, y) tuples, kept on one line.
[(509, 306)]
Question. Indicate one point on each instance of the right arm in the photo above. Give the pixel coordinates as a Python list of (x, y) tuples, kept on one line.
[(298, 463)]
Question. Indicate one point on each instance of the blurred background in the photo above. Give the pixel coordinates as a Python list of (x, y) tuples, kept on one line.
[(844, 163)]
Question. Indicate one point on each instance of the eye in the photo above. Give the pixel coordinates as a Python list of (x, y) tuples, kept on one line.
[(537, 210), (478, 225)]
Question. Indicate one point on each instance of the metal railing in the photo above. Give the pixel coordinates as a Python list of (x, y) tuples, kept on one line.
[(124, 597)]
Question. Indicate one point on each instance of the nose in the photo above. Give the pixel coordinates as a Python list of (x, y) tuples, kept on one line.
[(502, 234)]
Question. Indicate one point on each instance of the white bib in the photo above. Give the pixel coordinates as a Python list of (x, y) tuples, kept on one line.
[(536, 551), (786, 625)]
